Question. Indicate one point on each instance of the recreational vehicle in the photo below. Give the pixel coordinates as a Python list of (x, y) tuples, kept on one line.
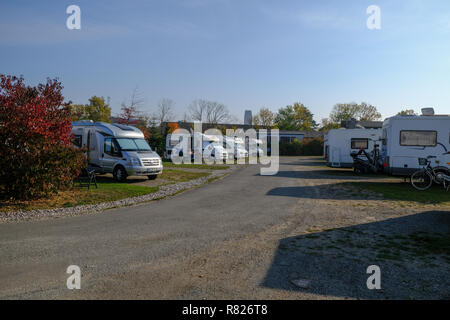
[(340, 143), (405, 139), (239, 151), (211, 146), (116, 148)]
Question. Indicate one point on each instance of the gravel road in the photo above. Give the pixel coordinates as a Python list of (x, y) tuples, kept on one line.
[(245, 236)]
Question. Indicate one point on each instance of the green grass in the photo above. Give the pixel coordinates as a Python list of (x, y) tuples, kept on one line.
[(406, 192), (181, 176), (105, 192), (108, 190), (170, 164)]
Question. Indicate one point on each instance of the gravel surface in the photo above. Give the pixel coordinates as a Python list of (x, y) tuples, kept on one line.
[(164, 191)]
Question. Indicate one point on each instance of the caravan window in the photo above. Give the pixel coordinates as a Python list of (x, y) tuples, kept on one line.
[(418, 138), (360, 143)]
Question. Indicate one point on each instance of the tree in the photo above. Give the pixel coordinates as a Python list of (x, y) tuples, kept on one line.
[(130, 112), (368, 112), (264, 118), (208, 111), (296, 117), (360, 112), (97, 110), (343, 112), (327, 125), (164, 111), (407, 112), (35, 139)]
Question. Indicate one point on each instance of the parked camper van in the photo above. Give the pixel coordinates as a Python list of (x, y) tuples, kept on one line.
[(340, 143), (407, 138), (118, 149)]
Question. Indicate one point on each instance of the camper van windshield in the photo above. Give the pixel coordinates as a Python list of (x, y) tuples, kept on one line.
[(128, 144)]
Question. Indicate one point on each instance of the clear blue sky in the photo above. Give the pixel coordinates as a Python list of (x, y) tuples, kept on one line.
[(244, 53)]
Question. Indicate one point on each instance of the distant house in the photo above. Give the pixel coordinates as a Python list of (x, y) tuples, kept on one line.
[(285, 136), (290, 136)]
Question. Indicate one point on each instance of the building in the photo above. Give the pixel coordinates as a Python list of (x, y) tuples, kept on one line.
[(248, 117)]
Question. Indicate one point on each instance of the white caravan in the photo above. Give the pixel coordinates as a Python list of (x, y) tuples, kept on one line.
[(340, 143), (408, 138), (116, 148)]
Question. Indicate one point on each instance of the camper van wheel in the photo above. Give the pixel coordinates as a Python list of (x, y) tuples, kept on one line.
[(152, 177), (120, 174)]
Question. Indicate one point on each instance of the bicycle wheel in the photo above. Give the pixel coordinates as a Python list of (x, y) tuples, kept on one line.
[(421, 180)]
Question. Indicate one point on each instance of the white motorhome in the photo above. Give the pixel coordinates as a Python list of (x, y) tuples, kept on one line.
[(116, 148), (407, 138), (239, 151), (212, 147), (340, 143)]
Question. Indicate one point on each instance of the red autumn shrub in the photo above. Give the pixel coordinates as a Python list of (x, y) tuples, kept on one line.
[(36, 155)]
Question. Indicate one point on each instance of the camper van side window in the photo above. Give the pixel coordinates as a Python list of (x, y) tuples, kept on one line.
[(360, 143), (415, 138), (110, 147)]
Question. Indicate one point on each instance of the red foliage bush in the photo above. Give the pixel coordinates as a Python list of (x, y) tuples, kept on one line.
[(36, 155)]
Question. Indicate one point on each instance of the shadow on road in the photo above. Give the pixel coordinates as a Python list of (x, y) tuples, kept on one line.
[(328, 174), (413, 253)]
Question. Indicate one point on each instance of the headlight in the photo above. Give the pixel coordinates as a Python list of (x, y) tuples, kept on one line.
[(135, 161)]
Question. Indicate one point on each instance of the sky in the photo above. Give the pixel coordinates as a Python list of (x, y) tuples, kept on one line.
[(246, 54)]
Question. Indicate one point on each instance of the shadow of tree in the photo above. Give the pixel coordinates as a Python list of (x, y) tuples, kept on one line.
[(413, 253)]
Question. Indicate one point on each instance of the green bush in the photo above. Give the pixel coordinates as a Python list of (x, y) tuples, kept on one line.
[(306, 147)]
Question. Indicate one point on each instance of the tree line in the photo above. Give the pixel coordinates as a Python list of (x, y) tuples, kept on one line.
[(295, 117)]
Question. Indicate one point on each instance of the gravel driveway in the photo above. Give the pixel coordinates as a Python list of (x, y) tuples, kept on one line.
[(246, 237)]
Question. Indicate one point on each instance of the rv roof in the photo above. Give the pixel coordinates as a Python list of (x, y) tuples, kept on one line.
[(116, 130), (421, 117)]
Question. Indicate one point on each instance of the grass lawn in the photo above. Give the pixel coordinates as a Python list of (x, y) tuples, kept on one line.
[(180, 175), (108, 190), (81, 196), (405, 192), (170, 164)]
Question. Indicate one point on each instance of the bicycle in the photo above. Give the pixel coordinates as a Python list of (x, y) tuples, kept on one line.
[(424, 178), (372, 163)]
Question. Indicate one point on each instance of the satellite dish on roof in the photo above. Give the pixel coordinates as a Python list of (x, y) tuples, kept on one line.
[(428, 111)]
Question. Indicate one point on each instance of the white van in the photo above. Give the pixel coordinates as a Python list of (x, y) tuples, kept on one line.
[(340, 143), (116, 148), (408, 138)]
